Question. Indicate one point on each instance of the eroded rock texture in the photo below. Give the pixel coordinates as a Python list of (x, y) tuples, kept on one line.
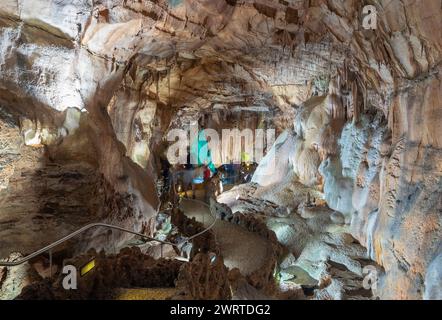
[(129, 268), (89, 90)]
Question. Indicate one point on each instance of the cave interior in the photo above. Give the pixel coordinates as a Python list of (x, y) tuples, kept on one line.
[(220, 149)]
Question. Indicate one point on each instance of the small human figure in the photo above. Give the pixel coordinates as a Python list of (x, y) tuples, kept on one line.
[(206, 173)]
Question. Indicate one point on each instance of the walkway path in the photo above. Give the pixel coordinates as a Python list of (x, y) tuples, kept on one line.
[(240, 248)]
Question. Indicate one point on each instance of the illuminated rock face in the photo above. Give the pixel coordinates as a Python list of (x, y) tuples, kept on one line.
[(363, 106)]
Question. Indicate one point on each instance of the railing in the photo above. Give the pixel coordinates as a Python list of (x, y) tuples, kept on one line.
[(209, 227), (49, 247)]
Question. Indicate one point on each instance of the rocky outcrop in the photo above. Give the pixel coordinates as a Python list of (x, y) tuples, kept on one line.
[(317, 257), (205, 278), (49, 80), (13, 280), (51, 190), (129, 268)]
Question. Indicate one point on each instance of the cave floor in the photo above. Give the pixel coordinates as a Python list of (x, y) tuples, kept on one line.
[(145, 294), (240, 248)]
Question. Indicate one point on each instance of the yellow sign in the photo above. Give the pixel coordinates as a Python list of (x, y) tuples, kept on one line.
[(87, 267), (245, 157)]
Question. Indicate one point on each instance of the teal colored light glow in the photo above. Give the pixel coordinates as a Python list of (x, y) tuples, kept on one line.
[(175, 3), (200, 150)]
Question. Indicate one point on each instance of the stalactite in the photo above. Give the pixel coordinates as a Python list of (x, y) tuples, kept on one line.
[(168, 83), (354, 90), (157, 83)]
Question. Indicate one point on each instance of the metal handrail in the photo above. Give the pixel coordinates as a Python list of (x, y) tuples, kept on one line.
[(209, 227), (109, 226)]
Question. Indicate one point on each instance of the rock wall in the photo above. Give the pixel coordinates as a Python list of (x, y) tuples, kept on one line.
[(58, 89), (393, 167), (383, 172), (363, 106)]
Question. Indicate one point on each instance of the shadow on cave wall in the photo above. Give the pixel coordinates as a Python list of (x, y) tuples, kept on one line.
[(41, 199)]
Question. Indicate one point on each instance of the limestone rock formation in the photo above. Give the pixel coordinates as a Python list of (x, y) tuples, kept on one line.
[(129, 268), (90, 90), (205, 278)]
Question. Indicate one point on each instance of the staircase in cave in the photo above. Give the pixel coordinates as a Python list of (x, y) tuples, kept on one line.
[(148, 278), (248, 251), (240, 248)]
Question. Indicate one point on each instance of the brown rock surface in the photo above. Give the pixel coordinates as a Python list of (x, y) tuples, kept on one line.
[(362, 107)]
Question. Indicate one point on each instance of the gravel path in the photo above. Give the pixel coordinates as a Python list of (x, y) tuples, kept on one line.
[(240, 248)]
